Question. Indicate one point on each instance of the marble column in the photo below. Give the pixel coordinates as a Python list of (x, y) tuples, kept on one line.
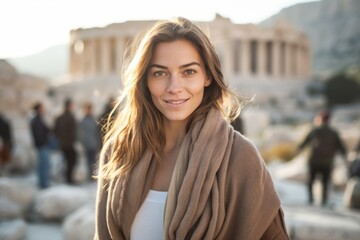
[(307, 61), (119, 53), (89, 63), (293, 60), (85, 56), (227, 64), (77, 57), (302, 62), (276, 59), (245, 57), (236, 56), (298, 61), (288, 59), (261, 57), (73, 66), (105, 56)]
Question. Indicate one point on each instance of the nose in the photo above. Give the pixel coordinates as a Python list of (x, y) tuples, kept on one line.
[(174, 85)]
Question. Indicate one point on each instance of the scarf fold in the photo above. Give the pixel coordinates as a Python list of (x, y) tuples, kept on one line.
[(194, 186), (220, 188)]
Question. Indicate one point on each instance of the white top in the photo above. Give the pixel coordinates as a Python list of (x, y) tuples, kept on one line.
[(148, 222)]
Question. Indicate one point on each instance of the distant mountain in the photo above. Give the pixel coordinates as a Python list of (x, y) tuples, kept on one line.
[(49, 63), (333, 27)]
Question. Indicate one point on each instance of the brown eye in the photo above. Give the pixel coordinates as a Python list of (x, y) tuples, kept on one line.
[(189, 71), (159, 74)]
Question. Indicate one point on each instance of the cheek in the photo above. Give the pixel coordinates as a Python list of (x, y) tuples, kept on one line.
[(154, 88), (197, 88)]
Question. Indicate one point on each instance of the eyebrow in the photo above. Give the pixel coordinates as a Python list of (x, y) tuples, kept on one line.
[(182, 66)]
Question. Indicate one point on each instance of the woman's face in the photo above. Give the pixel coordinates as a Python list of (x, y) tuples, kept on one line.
[(176, 79)]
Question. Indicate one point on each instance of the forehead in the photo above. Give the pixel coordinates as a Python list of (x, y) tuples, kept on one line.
[(175, 52)]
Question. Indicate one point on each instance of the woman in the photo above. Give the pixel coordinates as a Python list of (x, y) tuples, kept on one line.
[(172, 167)]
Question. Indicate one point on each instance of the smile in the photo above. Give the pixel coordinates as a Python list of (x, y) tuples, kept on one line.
[(176, 101)]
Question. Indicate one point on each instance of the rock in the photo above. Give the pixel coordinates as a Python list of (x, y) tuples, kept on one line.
[(43, 231), (352, 193), (56, 203), (13, 230), (23, 159), (80, 225), (17, 192), (8, 210), (314, 223)]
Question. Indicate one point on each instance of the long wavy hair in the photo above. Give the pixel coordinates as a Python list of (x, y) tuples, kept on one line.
[(138, 125)]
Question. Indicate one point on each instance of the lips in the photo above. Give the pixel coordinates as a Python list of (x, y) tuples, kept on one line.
[(176, 101)]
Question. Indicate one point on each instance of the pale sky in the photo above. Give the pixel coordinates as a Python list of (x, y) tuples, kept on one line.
[(29, 26)]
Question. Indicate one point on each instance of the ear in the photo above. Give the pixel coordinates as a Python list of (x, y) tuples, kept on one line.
[(207, 81)]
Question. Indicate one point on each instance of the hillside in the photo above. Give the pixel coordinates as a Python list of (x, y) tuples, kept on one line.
[(334, 30), (49, 63)]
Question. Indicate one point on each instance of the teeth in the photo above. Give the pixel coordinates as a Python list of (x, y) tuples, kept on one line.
[(176, 101)]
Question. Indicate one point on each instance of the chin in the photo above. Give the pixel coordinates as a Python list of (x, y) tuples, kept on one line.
[(176, 117)]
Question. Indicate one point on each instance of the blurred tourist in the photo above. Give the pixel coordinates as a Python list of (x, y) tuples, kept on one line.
[(65, 130), (238, 125), (103, 119), (41, 135), (89, 137), (5, 141), (325, 143)]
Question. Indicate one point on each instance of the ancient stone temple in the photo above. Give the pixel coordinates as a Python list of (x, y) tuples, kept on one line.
[(265, 61), (247, 51)]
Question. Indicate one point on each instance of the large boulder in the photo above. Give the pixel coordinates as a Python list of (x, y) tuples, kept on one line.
[(57, 202), (17, 197), (13, 230), (8, 209), (80, 225)]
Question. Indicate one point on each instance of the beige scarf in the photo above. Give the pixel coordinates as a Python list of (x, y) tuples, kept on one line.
[(220, 189)]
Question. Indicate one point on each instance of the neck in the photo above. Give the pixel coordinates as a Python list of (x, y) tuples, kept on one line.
[(174, 134)]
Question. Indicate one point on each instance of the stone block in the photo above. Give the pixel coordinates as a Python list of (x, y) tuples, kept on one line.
[(352, 193)]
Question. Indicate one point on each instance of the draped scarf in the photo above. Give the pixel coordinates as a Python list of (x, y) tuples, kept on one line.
[(220, 189)]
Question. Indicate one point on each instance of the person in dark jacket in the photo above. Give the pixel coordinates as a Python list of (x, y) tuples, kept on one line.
[(65, 131), (325, 143), (6, 140), (89, 137), (41, 139)]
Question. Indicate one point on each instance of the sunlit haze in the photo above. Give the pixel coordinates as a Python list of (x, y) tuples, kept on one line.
[(29, 26)]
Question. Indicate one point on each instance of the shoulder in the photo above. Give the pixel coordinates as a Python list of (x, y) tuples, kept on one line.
[(245, 156), (330, 130), (244, 147)]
